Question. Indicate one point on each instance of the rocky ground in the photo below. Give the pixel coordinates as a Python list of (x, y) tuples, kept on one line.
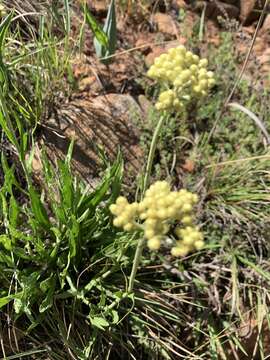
[(105, 95)]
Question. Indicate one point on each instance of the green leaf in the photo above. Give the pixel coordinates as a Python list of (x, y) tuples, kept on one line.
[(6, 242), (69, 153), (14, 211), (74, 237), (21, 253), (3, 30), (6, 259), (5, 300), (5, 121), (83, 216), (46, 284), (100, 35), (115, 316), (99, 322), (111, 33), (38, 209), (49, 285), (29, 160), (67, 190), (67, 17)]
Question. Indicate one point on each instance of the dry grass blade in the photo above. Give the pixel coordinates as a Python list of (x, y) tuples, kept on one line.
[(254, 117)]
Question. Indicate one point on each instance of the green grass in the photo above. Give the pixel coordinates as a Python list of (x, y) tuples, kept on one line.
[(64, 268)]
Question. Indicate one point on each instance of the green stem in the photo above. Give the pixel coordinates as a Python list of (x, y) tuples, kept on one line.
[(135, 265), (151, 154), (146, 179)]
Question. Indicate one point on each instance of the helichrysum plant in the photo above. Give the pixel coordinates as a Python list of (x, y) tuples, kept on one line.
[(184, 75), (184, 79), (161, 212)]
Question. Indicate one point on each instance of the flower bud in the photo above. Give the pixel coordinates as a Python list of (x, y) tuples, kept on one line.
[(113, 209), (121, 200), (179, 251), (211, 82), (203, 63), (187, 220), (154, 243), (187, 208), (118, 222), (128, 227), (149, 233), (194, 69), (199, 244), (181, 49)]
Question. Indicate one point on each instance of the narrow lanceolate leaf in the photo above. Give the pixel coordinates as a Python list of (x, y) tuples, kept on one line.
[(74, 237), (48, 285), (5, 240), (3, 70), (5, 121), (95, 27), (38, 209), (67, 17), (99, 322), (110, 31), (6, 299)]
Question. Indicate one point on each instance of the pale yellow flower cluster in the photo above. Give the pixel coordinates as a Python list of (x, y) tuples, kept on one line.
[(160, 210), (191, 239), (184, 74), (125, 213)]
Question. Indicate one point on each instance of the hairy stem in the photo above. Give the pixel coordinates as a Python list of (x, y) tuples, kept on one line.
[(151, 154), (148, 170), (136, 262)]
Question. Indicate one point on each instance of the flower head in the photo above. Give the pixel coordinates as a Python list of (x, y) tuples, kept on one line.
[(184, 75), (160, 211)]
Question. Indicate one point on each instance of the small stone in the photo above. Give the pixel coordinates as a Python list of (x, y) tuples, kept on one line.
[(189, 166), (165, 23), (87, 83), (100, 6), (145, 104), (143, 43)]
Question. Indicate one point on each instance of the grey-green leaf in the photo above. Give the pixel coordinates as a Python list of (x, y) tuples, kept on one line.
[(111, 33), (100, 35)]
